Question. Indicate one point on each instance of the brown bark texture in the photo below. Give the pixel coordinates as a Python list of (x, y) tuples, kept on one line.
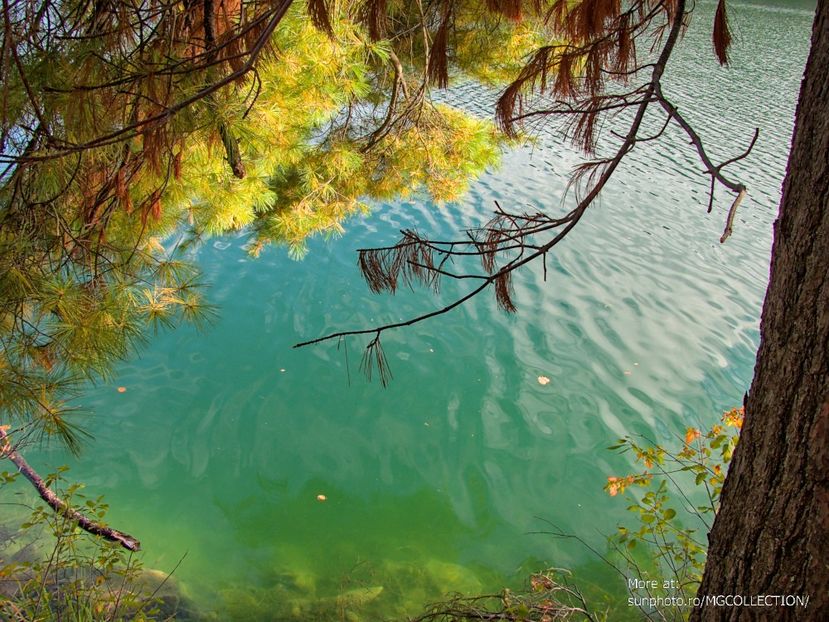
[(771, 536)]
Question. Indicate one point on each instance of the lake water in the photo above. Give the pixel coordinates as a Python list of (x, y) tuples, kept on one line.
[(646, 325)]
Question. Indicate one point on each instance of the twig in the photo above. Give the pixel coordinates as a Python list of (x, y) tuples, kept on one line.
[(731, 213)]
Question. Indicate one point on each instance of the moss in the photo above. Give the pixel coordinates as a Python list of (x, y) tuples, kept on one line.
[(388, 589)]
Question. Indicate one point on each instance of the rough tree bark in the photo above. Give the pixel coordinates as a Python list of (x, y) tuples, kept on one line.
[(771, 535)]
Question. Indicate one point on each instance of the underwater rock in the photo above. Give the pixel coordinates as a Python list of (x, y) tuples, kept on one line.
[(358, 597), (171, 601), (244, 604), (152, 592), (411, 584), (17, 546), (450, 577), (304, 582), (345, 605)]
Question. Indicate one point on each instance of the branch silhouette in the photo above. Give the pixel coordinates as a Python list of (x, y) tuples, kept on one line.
[(510, 241)]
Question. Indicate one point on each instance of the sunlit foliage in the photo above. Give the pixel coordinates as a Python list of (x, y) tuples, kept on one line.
[(680, 494), (130, 131), (55, 572)]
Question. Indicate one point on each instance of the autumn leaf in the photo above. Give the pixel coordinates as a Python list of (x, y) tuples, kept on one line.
[(691, 434)]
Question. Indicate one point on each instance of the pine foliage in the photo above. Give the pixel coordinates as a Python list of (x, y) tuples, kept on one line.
[(130, 131)]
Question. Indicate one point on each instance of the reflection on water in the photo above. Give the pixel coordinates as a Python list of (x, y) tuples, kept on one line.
[(646, 324)]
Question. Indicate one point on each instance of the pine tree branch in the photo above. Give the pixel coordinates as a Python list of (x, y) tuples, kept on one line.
[(715, 170), (231, 145), (273, 17), (650, 94)]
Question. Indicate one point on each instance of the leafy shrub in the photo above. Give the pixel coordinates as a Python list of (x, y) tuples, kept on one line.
[(675, 511), (52, 570)]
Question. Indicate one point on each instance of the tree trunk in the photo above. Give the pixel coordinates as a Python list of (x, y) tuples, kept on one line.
[(771, 536)]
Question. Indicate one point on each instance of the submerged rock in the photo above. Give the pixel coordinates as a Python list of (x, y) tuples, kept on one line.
[(450, 577), (284, 602), (244, 604), (358, 597), (303, 582), (171, 601)]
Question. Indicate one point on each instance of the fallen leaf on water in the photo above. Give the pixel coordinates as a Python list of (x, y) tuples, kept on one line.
[(543, 380)]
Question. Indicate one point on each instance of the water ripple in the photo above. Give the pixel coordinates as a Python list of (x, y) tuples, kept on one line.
[(645, 324)]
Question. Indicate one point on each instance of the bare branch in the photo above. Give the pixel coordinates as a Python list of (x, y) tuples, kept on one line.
[(711, 168), (731, 213), (59, 505)]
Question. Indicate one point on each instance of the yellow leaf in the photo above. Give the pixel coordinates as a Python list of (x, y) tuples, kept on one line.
[(691, 435)]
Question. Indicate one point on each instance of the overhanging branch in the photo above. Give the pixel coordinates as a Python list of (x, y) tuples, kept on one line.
[(59, 505), (715, 170), (417, 259)]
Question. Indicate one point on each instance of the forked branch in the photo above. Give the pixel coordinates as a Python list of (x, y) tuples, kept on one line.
[(715, 170)]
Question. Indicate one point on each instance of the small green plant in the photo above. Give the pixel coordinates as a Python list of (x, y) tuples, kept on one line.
[(674, 514), (52, 570)]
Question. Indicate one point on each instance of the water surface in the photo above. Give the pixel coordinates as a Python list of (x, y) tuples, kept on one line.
[(646, 324)]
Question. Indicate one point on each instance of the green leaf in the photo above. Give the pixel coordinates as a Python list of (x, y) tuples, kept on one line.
[(718, 441)]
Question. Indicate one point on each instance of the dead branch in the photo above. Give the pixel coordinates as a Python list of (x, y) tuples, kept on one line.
[(59, 505), (731, 213), (710, 168), (549, 596)]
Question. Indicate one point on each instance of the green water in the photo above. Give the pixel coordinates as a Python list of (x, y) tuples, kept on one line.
[(646, 324)]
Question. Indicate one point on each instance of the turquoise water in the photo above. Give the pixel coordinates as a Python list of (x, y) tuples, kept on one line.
[(646, 324)]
